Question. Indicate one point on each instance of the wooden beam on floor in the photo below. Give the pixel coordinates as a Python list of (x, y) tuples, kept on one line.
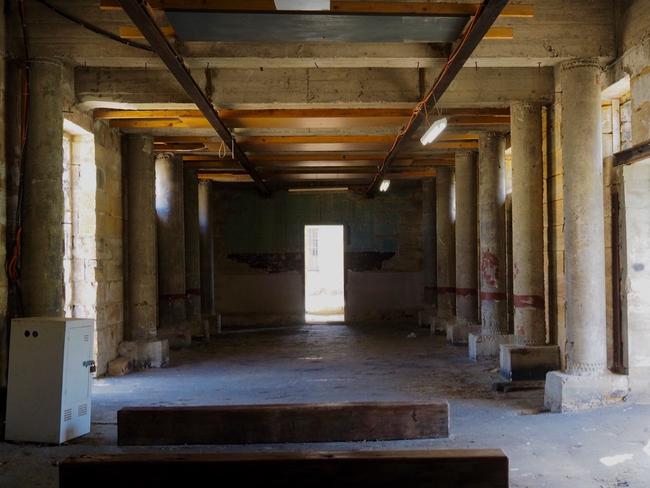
[(485, 17), (269, 424), (336, 7), (466, 468)]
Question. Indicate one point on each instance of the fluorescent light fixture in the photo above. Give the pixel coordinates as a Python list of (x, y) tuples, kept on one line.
[(385, 185), (434, 131), (302, 4), (318, 189)]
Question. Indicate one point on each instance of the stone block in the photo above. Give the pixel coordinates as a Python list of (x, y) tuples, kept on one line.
[(151, 354), (524, 363), (564, 392), (458, 332), (487, 346), (178, 336), (119, 366)]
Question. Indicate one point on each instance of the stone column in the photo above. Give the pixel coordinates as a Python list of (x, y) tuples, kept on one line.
[(445, 247), (171, 239), (492, 255), (192, 246), (535, 360), (429, 250), (42, 279), (206, 238), (466, 249), (142, 327), (586, 381)]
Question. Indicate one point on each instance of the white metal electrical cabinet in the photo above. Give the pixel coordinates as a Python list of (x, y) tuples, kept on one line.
[(50, 366)]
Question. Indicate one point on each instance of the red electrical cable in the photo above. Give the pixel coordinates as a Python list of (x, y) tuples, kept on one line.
[(422, 103)]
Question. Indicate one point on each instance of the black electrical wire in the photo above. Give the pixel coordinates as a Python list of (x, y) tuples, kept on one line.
[(94, 28)]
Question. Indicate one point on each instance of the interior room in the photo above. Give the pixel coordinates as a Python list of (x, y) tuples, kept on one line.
[(325, 242)]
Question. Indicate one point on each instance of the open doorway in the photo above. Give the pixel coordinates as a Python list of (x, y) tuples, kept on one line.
[(324, 273)]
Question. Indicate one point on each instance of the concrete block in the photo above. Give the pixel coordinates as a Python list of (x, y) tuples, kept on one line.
[(426, 318), (564, 392), (152, 354), (487, 346), (458, 332), (119, 366), (178, 336), (523, 363)]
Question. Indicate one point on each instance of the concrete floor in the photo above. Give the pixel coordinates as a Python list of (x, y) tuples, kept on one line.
[(329, 363)]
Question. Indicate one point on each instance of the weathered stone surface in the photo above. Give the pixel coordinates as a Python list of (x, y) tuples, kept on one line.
[(142, 354), (564, 392), (528, 362), (483, 346), (119, 366)]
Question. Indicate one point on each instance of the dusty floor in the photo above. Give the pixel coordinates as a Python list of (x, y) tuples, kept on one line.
[(339, 363)]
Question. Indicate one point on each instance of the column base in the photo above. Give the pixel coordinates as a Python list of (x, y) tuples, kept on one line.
[(427, 317), (487, 346), (526, 363), (458, 332), (640, 383), (564, 392), (178, 336), (145, 354)]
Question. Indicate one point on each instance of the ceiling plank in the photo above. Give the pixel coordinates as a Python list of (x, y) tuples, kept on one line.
[(142, 18), (132, 33), (478, 26), (337, 7)]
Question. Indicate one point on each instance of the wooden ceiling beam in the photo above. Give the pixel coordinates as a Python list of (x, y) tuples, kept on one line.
[(336, 7), (132, 33), (288, 113)]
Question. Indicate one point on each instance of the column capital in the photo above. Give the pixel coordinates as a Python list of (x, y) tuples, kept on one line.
[(465, 153), (524, 105), (492, 134), (581, 63)]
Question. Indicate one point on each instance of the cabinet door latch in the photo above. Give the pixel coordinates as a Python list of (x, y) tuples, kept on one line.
[(91, 364)]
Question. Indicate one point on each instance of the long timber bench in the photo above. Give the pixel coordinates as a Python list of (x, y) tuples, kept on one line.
[(268, 424), (377, 469)]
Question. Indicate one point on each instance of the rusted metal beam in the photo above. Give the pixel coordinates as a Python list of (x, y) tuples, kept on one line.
[(140, 14), (488, 12)]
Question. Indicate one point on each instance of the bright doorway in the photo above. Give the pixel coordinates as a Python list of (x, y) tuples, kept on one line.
[(324, 273)]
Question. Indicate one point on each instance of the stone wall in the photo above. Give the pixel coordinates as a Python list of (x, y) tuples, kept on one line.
[(108, 270), (259, 275)]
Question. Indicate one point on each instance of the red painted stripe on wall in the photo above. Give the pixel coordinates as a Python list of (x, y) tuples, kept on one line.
[(490, 296), (528, 301), (463, 292)]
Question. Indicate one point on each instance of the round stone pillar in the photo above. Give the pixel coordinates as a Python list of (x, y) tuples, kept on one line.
[(492, 256), (445, 244), (429, 240), (206, 232), (171, 239), (142, 247), (527, 223), (42, 276), (584, 233), (466, 240), (192, 245)]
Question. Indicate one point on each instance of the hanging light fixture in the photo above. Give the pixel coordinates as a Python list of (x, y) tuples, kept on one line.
[(385, 184), (434, 131)]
